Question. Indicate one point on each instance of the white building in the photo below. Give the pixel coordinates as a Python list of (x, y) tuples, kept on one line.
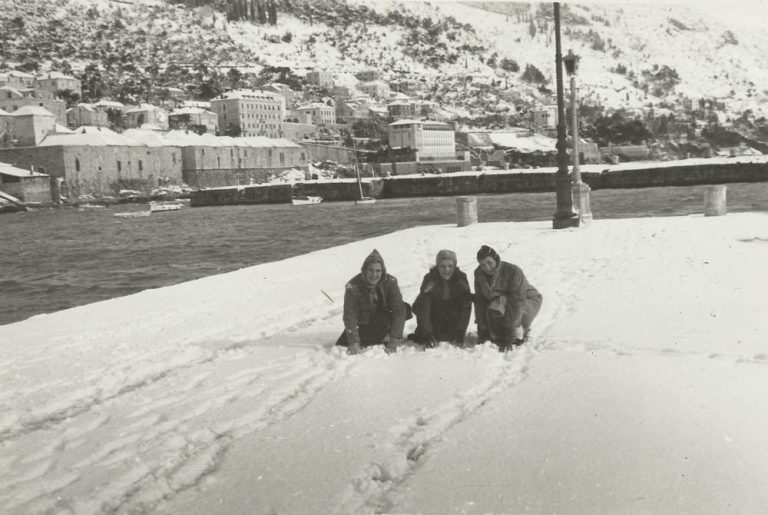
[(322, 114), (433, 141), (250, 113)]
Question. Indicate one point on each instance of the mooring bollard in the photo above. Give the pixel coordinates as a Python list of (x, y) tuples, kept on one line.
[(714, 200), (466, 210)]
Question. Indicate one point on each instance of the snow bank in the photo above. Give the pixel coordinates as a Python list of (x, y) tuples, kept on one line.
[(642, 389)]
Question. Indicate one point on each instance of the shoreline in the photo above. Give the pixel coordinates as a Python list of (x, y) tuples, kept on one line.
[(688, 172)]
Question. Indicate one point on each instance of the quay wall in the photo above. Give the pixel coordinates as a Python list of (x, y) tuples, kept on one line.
[(501, 182)]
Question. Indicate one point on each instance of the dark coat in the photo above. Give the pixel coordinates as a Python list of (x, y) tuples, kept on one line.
[(443, 307), (363, 304)]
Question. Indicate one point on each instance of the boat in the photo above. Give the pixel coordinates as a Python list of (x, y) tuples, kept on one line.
[(133, 214), (363, 199), (160, 206), (302, 200)]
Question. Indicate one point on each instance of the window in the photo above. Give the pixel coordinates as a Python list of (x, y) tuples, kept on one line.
[(77, 164), (141, 165), (119, 167), (282, 158)]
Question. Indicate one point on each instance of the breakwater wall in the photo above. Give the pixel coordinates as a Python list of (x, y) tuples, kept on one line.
[(596, 176)]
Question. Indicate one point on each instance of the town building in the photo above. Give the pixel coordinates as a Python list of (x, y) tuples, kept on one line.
[(146, 115), (12, 99), (26, 127), (248, 113), (194, 118), (86, 114), (320, 78), (432, 140), (544, 117), (97, 161), (196, 103), (213, 161), (26, 185), (57, 81), (321, 114), (375, 88), (406, 85), (353, 109), (368, 75), (17, 79), (284, 91), (172, 96), (411, 109), (115, 112)]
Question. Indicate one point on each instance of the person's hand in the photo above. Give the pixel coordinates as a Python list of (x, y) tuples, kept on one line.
[(429, 341), (354, 348)]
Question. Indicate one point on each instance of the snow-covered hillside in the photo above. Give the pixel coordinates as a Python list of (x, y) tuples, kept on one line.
[(643, 389), (713, 48)]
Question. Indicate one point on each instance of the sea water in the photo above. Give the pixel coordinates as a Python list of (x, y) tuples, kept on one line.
[(53, 259)]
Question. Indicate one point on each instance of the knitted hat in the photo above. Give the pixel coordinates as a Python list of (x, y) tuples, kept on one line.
[(446, 254), (374, 257), (486, 251)]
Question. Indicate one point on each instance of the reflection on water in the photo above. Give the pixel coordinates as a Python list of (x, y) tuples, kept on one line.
[(54, 259)]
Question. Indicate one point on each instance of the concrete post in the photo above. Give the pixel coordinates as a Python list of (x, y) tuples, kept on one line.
[(714, 200), (466, 211)]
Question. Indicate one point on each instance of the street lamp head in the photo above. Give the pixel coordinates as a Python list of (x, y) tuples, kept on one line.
[(571, 62)]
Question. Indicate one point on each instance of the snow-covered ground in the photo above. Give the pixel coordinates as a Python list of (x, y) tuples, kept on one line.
[(643, 389)]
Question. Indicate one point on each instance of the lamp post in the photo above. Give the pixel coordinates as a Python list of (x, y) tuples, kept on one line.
[(565, 216), (580, 189)]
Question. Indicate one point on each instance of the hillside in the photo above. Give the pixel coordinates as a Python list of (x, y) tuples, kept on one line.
[(486, 61)]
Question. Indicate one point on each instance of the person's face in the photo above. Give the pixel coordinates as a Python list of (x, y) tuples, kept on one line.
[(373, 273), (446, 268), (488, 265)]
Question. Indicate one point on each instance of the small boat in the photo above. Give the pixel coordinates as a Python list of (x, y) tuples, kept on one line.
[(159, 206), (303, 200), (133, 214), (365, 200)]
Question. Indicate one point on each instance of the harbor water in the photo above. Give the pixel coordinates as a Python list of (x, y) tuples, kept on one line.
[(53, 259)]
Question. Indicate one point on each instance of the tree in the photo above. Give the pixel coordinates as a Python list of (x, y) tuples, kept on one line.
[(272, 12), (234, 76), (92, 81), (509, 65), (533, 75), (262, 12), (67, 95)]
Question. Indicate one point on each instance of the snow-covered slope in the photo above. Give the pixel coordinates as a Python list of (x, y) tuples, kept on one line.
[(642, 390)]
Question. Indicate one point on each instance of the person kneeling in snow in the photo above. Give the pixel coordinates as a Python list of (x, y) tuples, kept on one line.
[(505, 304), (444, 303), (374, 311)]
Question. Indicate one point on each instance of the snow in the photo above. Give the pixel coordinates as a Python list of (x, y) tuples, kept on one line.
[(642, 389)]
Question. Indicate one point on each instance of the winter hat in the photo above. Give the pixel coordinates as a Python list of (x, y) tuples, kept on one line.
[(486, 251), (446, 254), (374, 257)]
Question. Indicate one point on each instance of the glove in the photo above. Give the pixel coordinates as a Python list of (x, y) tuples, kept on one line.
[(391, 344), (354, 348)]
